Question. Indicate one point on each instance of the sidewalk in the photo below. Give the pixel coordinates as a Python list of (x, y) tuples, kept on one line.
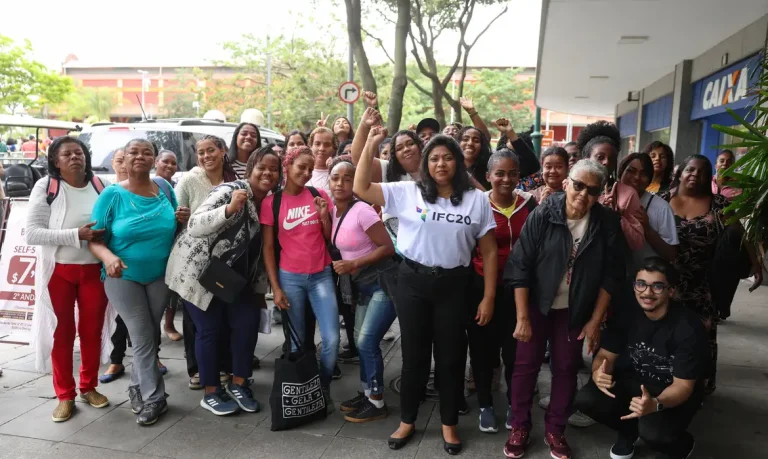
[(731, 425)]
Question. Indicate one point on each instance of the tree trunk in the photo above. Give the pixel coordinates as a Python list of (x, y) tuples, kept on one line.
[(399, 80), (356, 42), (437, 98)]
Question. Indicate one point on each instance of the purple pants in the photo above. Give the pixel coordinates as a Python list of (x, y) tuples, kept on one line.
[(565, 360)]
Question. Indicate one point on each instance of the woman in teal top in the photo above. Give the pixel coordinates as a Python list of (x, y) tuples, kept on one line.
[(140, 221)]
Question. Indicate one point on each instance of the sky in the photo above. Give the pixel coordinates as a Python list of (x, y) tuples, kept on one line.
[(179, 33)]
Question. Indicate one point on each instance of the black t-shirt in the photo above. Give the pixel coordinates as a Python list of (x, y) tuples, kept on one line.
[(674, 346)]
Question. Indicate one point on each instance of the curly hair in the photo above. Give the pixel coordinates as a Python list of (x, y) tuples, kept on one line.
[(666, 150), (256, 158), (53, 155), (498, 155), (323, 130), (459, 182), (229, 173), (598, 133), (232, 153), (293, 153), (395, 170)]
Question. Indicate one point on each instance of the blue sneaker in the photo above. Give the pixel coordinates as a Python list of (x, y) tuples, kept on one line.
[(243, 396), (219, 403), (488, 422)]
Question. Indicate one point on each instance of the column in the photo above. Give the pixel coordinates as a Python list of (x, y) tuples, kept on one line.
[(683, 133)]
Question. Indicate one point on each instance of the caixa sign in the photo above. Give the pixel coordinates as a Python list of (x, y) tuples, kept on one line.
[(728, 88)]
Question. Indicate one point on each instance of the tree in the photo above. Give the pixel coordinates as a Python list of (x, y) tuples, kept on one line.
[(88, 103), (498, 93), (356, 43), (26, 83), (429, 19)]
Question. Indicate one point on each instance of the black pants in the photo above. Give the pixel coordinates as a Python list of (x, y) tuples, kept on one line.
[(225, 351), (119, 342), (664, 432), (431, 309), (485, 341)]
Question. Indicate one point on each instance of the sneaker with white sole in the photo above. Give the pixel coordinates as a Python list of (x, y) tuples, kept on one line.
[(243, 396), (219, 403), (624, 448), (487, 420), (508, 424)]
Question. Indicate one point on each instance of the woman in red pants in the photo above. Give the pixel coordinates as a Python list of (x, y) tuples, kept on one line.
[(59, 220)]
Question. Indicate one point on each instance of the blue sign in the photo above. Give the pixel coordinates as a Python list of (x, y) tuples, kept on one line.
[(726, 88)]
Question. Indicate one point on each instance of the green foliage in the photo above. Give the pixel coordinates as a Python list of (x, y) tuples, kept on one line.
[(26, 83), (499, 93), (750, 172), (88, 104)]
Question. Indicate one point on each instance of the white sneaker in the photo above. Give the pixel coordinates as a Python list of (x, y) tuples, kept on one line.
[(389, 336)]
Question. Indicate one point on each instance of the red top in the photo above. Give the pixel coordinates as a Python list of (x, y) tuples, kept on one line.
[(507, 230)]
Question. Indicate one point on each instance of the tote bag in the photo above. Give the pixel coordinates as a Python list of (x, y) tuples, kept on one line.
[(297, 396)]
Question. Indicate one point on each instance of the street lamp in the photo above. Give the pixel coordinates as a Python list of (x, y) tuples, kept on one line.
[(143, 86)]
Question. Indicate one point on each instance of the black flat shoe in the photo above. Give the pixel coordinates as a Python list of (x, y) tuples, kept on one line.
[(451, 448), (397, 443)]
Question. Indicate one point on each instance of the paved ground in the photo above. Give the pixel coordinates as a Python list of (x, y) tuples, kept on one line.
[(734, 422)]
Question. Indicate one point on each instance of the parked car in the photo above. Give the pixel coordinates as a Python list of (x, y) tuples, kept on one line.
[(177, 135)]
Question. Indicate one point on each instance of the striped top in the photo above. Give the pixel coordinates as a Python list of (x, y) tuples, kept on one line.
[(239, 168)]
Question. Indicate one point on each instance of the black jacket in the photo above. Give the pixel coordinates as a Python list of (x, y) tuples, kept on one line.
[(540, 257)]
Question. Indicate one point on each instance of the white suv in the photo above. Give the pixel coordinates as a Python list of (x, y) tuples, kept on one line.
[(177, 135)]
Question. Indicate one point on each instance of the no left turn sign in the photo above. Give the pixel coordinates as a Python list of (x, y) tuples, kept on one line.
[(349, 92)]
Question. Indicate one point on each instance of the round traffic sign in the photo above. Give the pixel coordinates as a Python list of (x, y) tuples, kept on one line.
[(349, 92)]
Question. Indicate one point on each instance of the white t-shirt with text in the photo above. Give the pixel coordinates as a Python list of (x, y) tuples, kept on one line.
[(578, 229), (440, 234)]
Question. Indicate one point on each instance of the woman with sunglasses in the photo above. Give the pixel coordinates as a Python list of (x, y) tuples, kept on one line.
[(564, 268)]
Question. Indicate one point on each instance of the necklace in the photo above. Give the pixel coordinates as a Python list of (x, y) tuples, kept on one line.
[(154, 215)]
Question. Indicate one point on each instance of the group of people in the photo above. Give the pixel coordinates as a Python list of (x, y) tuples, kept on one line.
[(489, 253), (30, 145)]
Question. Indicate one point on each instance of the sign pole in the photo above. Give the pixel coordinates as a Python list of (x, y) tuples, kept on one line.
[(351, 77)]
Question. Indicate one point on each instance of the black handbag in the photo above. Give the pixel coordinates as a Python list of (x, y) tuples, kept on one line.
[(219, 278), (297, 395)]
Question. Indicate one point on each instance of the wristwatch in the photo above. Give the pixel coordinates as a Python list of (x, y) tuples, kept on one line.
[(659, 405)]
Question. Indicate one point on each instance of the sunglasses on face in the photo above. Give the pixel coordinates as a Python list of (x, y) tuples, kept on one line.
[(656, 287), (580, 186)]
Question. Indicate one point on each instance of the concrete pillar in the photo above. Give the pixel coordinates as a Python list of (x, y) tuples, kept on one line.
[(641, 138), (683, 133)]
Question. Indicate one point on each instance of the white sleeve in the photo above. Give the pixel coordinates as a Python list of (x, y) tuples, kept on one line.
[(668, 228), (384, 165), (395, 195), (487, 222)]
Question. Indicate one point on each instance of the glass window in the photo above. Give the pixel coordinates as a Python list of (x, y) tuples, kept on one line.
[(627, 145), (662, 135), (103, 144)]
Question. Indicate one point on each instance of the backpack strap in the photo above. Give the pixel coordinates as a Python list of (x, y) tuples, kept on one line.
[(98, 185), (649, 203), (341, 220), (164, 187), (276, 215), (313, 191), (54, 185)]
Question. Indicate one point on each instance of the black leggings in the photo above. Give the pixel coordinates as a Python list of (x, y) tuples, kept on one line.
[(485, 342), (664, 432), (431, 309)]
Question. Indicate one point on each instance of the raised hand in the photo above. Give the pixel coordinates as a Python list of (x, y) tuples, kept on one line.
[(322, 122), (503, 125), (371, 117), (377, 135), (371, 99), (467, 104)]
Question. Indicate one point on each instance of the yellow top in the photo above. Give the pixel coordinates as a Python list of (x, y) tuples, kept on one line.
[(507, 211), (654, 186)]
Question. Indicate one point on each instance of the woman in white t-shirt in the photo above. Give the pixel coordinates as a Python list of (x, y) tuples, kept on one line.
[(442, 218)]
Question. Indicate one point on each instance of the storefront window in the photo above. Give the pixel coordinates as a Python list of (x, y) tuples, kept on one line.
[(727, 139), (662, 135)]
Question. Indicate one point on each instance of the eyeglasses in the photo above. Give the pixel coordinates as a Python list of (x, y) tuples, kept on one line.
[(656, 287), (579, 186)]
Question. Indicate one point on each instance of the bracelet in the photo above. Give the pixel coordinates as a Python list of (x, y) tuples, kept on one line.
[(472, 113)]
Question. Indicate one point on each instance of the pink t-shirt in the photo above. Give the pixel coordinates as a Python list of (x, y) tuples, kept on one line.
[(352, 241), (302, 243)]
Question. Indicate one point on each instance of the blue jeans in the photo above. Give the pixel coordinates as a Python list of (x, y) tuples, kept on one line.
[(374, 314), (319, 289)]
